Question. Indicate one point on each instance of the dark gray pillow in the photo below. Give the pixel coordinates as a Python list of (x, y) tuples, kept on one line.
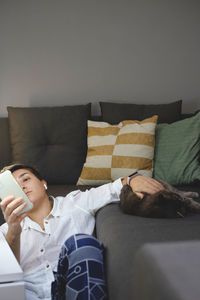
[(114, 113), (5, 154), (54, 139)]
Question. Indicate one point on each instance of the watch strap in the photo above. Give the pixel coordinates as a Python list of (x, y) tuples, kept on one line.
[(131, 176)]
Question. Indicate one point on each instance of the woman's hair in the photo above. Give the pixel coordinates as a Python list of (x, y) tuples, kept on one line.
[(18, 166)]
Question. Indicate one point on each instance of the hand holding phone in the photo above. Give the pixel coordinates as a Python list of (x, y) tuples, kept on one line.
[(9, 186)]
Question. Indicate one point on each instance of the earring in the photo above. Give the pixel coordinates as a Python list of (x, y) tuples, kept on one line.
[(45, 186)]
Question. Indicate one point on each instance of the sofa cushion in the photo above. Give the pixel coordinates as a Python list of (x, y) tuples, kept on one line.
[(54, 139), (64, 189), (177, 151), (5, 152), (122, 236), (168, 271), (117, 112), (118, 150)]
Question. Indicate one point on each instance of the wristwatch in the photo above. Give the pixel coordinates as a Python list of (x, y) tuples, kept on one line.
[(131, 176)]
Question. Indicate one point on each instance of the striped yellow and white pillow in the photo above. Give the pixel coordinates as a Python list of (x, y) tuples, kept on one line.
[(118, 150)]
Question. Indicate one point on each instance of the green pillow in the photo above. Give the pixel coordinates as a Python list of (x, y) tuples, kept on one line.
[(177, 151)]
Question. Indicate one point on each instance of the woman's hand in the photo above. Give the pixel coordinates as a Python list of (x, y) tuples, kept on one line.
[(11, 207), (140, 184)]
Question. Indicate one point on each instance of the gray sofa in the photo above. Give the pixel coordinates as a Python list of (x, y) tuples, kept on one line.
[(124, 236)]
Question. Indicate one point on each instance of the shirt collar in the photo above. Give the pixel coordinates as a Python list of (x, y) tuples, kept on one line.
[(55, 212)]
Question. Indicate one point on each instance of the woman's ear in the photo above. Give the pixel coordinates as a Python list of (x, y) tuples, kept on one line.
[(44, 183)]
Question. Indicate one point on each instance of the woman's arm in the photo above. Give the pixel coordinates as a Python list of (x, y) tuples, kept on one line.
[(95, 198)]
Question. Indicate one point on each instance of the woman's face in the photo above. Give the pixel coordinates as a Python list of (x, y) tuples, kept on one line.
[(31, 185)]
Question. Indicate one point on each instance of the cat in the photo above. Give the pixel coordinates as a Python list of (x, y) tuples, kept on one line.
[(167, 203)]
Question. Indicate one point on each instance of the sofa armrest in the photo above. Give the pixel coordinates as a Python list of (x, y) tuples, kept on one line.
[(168, 271)]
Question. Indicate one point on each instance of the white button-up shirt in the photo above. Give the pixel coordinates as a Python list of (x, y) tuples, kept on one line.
[(72, 214)]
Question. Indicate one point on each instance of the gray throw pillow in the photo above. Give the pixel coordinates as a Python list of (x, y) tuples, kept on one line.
[(114, 113), (54, 139)]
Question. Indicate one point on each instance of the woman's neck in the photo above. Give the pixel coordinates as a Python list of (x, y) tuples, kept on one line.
[(38, 214)]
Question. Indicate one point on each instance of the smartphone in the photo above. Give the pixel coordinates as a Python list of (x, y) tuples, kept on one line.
[(9, 186)]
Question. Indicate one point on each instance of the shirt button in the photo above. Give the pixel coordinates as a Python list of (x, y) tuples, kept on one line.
[(42, 250), (46, 222), (47, 266)]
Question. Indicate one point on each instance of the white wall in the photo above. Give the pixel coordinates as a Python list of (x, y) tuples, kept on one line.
[(56, 52)]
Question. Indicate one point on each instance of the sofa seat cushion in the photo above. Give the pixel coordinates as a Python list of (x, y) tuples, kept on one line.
[(64, 189), (123, 235), (54, 139)]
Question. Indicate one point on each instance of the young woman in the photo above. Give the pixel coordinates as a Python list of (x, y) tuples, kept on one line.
[(53, 241)]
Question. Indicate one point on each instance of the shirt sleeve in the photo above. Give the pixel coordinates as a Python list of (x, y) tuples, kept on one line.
[(95, 198)]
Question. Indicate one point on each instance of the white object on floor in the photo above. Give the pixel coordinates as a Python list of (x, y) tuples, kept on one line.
[(11, 274)]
